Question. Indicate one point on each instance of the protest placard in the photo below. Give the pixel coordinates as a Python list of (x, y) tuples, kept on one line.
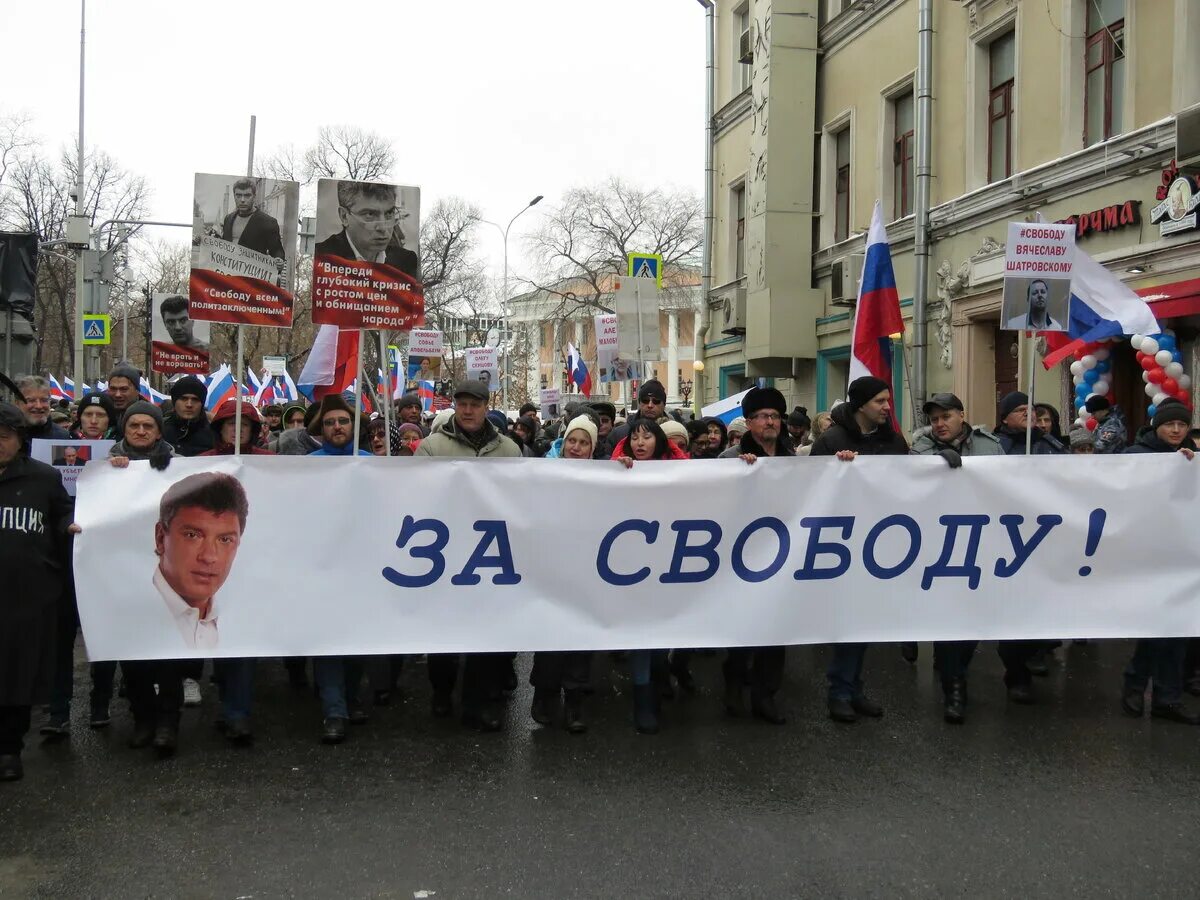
[(179, 344), (367, 269), (243, 250)]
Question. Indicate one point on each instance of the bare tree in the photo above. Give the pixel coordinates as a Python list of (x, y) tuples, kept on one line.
[(16, 137), (347, 151), (584, 241), (41, 202)]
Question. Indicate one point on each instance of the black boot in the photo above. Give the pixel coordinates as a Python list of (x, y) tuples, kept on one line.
[(143, 734), (166, 738), (10, 767), (735, 699), (682, 672), (645, 708), (764, 708), (543, 706), (573, 712), (955, 710), (909, 651)]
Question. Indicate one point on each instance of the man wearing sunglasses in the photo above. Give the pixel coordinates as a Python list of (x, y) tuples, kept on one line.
[(370, 227)]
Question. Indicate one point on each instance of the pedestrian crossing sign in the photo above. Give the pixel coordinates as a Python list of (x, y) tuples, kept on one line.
[(96, 329), (646, 265)]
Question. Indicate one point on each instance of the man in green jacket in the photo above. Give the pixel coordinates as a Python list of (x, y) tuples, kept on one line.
[(952, 437), (469, 434)]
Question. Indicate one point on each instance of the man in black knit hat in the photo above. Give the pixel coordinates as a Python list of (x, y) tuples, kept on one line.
[(186, 428), (863, 424)]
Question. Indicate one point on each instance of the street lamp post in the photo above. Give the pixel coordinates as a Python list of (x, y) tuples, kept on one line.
[(504, 337)]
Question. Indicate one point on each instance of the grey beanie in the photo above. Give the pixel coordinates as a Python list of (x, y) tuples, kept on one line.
[(142, 408)]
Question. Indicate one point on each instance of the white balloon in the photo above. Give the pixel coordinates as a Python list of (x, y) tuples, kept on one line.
[(1159, 398), (1150, 347), (1145, 376), (1080, 421), (1089, 361), (1173, 370), (1164, 358), (1136, 341), (1077, 369), (1102, 354), (1151, 390), (1170, 331), (1101, 387), (1184, 381)]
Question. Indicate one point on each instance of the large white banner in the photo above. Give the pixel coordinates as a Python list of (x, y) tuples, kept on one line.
[(429, 555)]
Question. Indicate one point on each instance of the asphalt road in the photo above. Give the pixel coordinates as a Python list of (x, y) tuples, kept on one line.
[(1068, 797)]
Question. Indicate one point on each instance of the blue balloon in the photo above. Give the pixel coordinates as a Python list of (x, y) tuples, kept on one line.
[(1103, 367), (1151, 410), (1166, 342), (1177, 356), (1091, 376)]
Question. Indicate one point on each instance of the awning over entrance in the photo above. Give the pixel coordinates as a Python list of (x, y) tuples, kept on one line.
[(1170, 301)]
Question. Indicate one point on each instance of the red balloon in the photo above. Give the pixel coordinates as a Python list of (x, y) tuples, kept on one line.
[(1182, 396), (1147, 362), (1139, 356), (1091, 423), (1156, 375), (1170, 386)]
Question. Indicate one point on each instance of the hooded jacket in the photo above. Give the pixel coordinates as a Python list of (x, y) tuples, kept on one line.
[(973, 440), (189, 437), (449, 441), (227, 412), (844, 434)]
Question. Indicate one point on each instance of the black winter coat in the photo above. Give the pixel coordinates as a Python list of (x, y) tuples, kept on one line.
[(844, 434), (1013, 441), (1149, 442), (189, 437), (35, 512)]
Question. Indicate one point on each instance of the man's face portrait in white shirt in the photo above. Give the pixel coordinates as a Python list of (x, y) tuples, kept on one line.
[(201, 520)]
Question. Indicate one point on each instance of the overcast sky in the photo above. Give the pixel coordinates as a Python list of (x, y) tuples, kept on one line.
[(494, 102)]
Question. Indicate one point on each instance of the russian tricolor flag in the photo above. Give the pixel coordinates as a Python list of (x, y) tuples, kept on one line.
[(425, 391), (56, 389), (221, 387), (877, 314), (726, 410), (1102, 306), (577, 371), (330, 366)]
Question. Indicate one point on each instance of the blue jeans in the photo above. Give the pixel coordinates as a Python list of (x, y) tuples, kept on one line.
[(845, 671), (1158, 662), (337, 680), (237, 687)]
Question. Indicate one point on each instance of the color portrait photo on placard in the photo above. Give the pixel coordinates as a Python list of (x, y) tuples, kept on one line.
[(244, 250), (367, 266)]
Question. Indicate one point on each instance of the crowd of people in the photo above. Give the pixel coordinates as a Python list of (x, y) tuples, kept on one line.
[(39, 622)]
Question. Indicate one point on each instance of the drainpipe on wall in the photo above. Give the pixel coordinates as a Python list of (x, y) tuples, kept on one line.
[(700, 377), (921, 210)]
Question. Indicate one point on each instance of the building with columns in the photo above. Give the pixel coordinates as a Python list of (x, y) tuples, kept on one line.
[(1065, 108), (544, 321)]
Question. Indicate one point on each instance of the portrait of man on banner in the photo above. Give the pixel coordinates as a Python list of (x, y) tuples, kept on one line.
[(200, 524), (367, 266), (179, 342)]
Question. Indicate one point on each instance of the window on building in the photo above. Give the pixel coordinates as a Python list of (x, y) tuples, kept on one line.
[(902, 155), (744, 49), (1002, 78), (739, 239), (1104, 67), (841, 186)]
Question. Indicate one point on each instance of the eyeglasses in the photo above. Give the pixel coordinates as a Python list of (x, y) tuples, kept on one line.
[(375, 216), (330, 423), (767, 417)]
